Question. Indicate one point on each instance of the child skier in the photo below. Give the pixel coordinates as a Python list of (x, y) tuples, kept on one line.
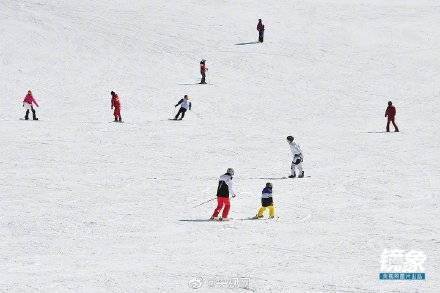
[(203, 70), (185, 105), (297, 158), (116, 104), (391, 114), (266, 202), (224, 190), (260, 29), (27, 104)]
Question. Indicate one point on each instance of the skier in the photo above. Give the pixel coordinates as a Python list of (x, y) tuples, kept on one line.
[(391, 114), (266, 202), (116, 104), (203, 70), (27, 104), (297, 158), (185, 105), (260, 29), (224, 190)]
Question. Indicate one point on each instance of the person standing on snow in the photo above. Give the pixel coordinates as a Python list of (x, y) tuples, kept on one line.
[(224, 190), (297, 158), (27, 104), (260, 29), (185, 105), (391, 114), (116, 104), (203, 70), (266, 202)]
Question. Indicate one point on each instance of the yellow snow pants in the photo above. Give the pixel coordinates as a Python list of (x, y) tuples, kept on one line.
[(271, 211)]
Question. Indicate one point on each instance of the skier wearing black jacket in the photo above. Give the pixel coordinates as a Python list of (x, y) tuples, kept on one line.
[(260, 29), (224, 190)]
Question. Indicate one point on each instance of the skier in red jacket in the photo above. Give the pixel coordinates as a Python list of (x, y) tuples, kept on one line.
[(203, 70), (391, 114), (28, 101), (116, 104)]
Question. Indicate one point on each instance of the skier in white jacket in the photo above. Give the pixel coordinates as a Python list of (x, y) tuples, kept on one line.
[(185, 105), (297, 158)]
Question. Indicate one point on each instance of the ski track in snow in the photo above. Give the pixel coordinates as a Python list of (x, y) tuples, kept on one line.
[(88, 205)]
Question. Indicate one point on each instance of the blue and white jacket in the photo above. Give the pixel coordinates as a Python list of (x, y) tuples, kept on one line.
[(184, 103), (266, 197)]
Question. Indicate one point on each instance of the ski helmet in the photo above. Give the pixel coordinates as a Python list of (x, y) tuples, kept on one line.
[(290, 138), (230, 171), (269, 185)]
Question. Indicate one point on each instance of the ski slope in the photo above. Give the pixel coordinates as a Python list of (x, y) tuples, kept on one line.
[(92, 206)]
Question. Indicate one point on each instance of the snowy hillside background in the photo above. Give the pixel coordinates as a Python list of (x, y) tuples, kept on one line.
[(92, 206)]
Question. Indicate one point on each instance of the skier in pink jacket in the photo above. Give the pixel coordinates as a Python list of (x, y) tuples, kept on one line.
[(27, 103)]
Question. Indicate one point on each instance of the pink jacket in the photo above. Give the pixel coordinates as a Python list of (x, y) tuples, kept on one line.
[(29, 99)]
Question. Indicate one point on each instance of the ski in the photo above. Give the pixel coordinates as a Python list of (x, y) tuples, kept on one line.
[(278, 178), (22, 119), (260, 219), (270, 178), (221, 220)]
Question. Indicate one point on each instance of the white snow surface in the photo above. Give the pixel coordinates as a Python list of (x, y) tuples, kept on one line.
[(92, 206)]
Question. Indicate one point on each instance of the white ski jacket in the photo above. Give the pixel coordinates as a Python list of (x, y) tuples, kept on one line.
[(184, 103), (296, 149), (225, 187)]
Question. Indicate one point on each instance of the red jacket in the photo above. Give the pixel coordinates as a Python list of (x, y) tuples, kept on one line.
[(29, 99), (390, 112), (202, 68), (116, 102), (260, 27)]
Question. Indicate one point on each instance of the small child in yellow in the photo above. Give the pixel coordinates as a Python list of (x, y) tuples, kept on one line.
[(266, 202)]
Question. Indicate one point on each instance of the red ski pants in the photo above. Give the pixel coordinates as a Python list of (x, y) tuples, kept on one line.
[(391, 120), (117, 113), (222, 203)]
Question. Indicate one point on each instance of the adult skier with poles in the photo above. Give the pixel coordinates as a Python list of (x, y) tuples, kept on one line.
[(224, 191)]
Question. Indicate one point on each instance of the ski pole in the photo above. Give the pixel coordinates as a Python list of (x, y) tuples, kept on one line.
[(205, 202)]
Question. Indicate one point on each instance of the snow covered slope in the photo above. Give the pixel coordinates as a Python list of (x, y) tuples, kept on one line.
[(92, 206)]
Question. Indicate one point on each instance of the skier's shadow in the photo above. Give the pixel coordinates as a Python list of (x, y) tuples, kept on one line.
[(247, 43)]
